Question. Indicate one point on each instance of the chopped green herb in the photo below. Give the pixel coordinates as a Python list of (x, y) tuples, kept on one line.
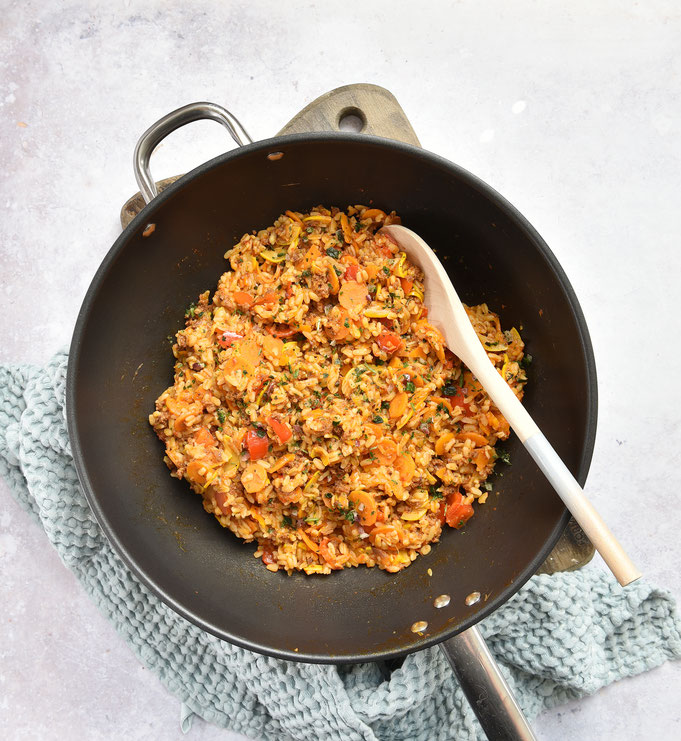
[(358, 226), (286, 521), (339, 236), (449, 390), (222, 416), (386, 270), (191, 310), (333, 252), (503, 455), (409, 386), (526, 361), (377, 419), (306, 273), (337, 271), (487, 486), (435, 493)]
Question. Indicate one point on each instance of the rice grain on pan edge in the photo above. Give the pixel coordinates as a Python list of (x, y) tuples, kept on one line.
[(315, 409)]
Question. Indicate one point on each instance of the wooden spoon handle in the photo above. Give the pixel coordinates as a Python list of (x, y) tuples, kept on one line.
[(565, 484)]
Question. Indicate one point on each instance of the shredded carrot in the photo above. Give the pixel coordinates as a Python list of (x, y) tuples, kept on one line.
[(314, 547)]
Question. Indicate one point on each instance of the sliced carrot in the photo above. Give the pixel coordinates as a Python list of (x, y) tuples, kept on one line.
[(481, 460), (386, 451), (479, 440), (407, 285), (241, 298), (398, 405), (353, 295), (372, 270), (375, 429), (196, 472), (365, 506), (406, 467), (254, 478), (273, 348), (204, 437), (309, 258), (441, 444), (267, 298), (295, 217), (280, 429), (314, 547)]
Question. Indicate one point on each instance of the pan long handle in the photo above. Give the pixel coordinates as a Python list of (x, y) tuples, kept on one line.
[(157, 132), (485, 688)]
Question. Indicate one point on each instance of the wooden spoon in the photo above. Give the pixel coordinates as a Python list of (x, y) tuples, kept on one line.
[(446, 313)]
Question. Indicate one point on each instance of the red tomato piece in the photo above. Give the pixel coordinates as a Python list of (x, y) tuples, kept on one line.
[(280, 429), (227, 339), (389, 342), (458, 513), (459, 399), (351, 272), (256, 444)]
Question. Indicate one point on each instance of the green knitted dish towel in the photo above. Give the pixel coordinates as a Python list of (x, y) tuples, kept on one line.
[(560, 637)]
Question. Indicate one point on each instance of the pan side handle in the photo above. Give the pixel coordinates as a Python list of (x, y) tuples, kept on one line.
[(485, 688), (158, 131)]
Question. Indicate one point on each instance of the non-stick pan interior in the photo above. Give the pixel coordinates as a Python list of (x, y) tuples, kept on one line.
[(121, 361)]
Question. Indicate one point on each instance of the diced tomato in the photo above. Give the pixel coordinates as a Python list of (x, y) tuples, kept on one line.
[(389, 342), (458, 513), (281, 430), (459, 399), (268, 555), (351, 272), (256, 444), (227, 339)]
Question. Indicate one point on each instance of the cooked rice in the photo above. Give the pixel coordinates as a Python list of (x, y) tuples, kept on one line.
[(315, 409)]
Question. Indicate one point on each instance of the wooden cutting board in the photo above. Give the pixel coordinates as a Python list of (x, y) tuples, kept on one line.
[(374, 110)]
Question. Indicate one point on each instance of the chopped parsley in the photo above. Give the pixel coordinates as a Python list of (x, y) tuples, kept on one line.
[(386, 270), (286, 521), (487, 486), (333, 252), (409, 386), (222, 416), (503, 455), (526, 361), (339, 236), (449, 390), (377, 420), (260, 432), (434, 492), (306, 273), (191, 311), (358, 226)]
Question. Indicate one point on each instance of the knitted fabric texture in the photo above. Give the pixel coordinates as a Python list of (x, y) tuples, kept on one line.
[(560, 637)]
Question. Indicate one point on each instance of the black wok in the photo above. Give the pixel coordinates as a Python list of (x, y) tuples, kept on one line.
[(121, 361)]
